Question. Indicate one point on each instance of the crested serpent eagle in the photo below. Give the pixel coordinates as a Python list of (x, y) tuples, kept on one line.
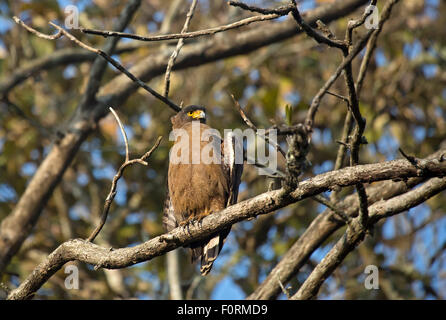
[(196, 189)]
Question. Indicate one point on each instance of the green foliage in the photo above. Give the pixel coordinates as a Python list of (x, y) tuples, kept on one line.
[(398, 99)]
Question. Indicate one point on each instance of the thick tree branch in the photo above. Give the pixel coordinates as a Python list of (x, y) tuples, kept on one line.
[(323, 227), (58, 58), (261, 204), (97, 69), (17, 226), (354, 235)]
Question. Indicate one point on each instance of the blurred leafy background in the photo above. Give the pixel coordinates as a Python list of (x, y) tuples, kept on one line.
[(403, 100)]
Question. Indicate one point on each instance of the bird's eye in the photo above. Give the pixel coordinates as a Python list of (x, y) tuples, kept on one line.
[(190, 113)]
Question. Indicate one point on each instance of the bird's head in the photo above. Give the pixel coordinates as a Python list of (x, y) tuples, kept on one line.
[(188, 114)]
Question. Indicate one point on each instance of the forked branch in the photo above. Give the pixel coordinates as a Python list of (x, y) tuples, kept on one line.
[(111, 195)]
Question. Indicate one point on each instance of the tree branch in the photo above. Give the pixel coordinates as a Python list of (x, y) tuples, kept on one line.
[(177, 50), (18, 224), (355, 235), (323, 226), (312, 33), (250, 124), (53, 60), (99, 65), (104, 55), (261, 204), (186, 35), (111, 195)]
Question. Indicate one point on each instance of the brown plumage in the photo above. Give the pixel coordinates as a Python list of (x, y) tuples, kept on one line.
[(197, 190)]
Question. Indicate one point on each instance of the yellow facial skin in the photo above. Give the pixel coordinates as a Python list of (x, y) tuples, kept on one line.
[(197, 114)]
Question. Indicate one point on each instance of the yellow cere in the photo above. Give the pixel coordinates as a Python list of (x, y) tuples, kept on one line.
[(197, 114)]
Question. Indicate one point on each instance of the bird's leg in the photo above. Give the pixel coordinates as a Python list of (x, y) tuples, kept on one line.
[(186, 222), (200, 218), (194, 219)]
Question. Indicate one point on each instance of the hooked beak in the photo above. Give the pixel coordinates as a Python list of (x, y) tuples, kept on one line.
[(198, 114)]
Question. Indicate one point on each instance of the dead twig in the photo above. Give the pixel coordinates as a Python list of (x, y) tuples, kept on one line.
[(177, 50), (353, 24), (101, 53), (111, 195), (37, 33), (250, 124), (283, 10), (313, 33), (284, 290), (322, 200), (187, 35)]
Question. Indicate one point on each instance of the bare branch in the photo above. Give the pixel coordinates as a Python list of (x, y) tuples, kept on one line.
[(186, 35), (111, 195), (324, 225), (309, 121), (353, 24), (357, 138), (262, 204), (311, 113), (340, 213), (115, 63), (284, 10), (345, 99), (313, 34), (252, 126), (37, 33), (355, 235), (124, 135), (177, 50), (248, 122), (284, 290), (371, 45)]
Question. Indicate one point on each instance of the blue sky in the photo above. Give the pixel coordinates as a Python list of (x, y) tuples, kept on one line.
[(387, 145)]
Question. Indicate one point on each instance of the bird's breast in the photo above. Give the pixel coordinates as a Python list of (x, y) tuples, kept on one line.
[(196, 188)]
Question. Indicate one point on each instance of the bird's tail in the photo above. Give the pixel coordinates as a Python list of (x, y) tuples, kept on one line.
[(208, 251)]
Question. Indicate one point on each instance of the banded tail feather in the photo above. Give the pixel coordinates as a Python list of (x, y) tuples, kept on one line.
[(208, 250), (169, 221)]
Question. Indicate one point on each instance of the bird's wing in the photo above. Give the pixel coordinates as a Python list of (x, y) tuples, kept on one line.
[(211, 248), (232, 150), (169, 221)]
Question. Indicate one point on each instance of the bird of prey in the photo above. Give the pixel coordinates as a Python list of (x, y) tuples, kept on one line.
[(196, 190)]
